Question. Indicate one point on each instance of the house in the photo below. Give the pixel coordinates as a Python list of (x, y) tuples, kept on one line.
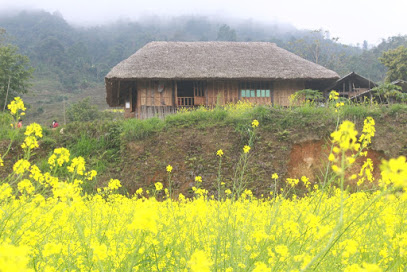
[(353, 86), (163, 76)]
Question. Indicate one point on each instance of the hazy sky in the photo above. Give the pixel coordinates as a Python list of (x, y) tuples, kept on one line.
[(351, 20)]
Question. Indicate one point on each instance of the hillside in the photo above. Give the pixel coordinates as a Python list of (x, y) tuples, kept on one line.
[(290, 142), (70, 61)]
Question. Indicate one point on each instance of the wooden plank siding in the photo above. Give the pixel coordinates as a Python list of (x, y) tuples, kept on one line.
[(283, 90), (151, 101)]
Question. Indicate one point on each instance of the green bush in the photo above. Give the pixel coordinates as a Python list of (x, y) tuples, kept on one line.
[(83, 111)]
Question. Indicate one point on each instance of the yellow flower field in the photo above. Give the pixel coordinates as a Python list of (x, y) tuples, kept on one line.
[(48, 223)]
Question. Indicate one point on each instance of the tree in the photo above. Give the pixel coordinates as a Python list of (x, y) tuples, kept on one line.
[(387, 91), (396, 62), (225, 33), (15, 73)]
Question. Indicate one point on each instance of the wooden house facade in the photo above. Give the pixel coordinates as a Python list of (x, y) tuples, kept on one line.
[(163, 76)]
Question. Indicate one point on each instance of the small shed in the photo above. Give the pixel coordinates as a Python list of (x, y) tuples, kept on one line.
[(353, 86), (163, 76)]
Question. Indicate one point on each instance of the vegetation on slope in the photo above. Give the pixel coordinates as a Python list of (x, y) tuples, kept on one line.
[(50, 223)]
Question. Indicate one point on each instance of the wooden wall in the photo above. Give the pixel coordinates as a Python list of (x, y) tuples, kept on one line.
[(283, 89), (222, 92), (150, 101), (149, 95)]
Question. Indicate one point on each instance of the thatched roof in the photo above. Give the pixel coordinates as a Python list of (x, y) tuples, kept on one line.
[(217, 60), (213, 60)]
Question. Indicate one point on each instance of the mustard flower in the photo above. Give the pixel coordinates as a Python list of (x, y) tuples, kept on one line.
[(219, 153), (14, 258), (169, 168), (345, 136), (246, 149), (77, 165), (274, 176), (25, 186), (158, 186), (198, 179), (16, 105), (255, 123), (292, 182), (30, 142), (261, 267), (91, 174), (395, 171), (1, 161), (100, 252), (305, 181), (368, 132), (200, 262), (333, 95), (34, 129), (35, 173), (6, 191), (60, 156), (114, 184), (331, 157), (21, 166)]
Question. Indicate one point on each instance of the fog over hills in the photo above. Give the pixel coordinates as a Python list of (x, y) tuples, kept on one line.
[(75, 54)]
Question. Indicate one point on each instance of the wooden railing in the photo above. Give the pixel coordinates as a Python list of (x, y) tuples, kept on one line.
[(185, 101)]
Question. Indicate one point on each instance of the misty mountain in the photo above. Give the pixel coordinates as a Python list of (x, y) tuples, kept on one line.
[(78, 55)]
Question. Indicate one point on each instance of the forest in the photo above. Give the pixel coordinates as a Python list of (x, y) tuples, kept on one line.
[(76, 56)]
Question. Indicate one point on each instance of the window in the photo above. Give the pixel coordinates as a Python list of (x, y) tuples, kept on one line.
[(255, 89)]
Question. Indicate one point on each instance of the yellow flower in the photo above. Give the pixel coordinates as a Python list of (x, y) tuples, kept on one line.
[(30, 142), (200, 262), (395, 171), (34, 129), (228, 192), (336, 169), (261, 267), (219, 153), (255, 123), (305, 181), (1, 161), (333, 95), (331, 157), (25, 186), (114, 184), (60, 156), (77, 165), (169, 168), (274, 176), (345, 136), (91, 174), (5, 191), (14, 258), (16, 105), (158, 186), (292, 182), (21, 166), (198, 179), (246, 149)]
